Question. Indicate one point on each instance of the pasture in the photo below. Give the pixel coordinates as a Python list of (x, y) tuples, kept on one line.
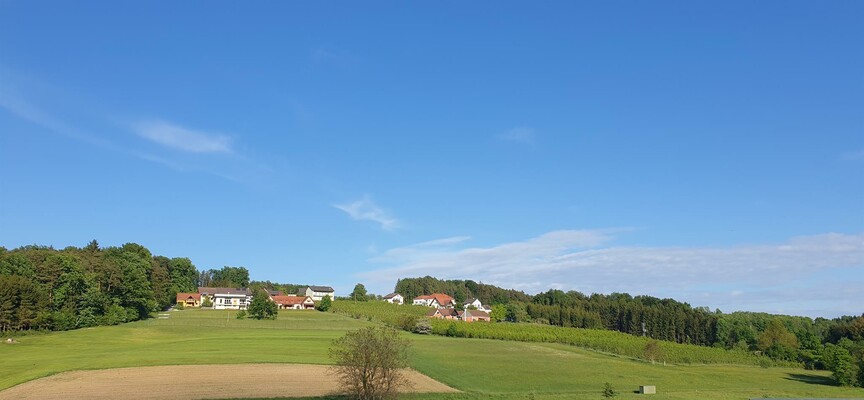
[(480, 368)]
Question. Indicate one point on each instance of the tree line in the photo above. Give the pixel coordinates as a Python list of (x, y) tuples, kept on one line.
[(831, 344), (45, 288)]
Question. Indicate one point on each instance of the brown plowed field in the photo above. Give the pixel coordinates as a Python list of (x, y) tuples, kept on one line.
[(197, 382)]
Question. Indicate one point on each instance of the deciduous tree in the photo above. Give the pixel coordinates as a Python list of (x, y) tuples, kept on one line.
[(370, 362), (324, 304), (359, 293), (261, 307)]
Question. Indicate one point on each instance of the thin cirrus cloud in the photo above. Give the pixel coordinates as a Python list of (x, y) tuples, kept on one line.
[(749, 277), (519, 135), (184, 139), (365, 209), (853, 156)]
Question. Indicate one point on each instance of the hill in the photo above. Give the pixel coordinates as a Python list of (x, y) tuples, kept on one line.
[(480, 368)]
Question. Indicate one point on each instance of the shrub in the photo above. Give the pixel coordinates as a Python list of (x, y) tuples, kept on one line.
[(241, 314), (653, 352), (608, 391), (422, 327), (325, 304), (369, 363), (409, 322)]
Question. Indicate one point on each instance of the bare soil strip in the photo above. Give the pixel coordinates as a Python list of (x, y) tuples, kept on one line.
[(197, 382)]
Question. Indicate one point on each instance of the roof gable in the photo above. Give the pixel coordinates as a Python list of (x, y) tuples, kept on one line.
[(186, 296), (291, 300)]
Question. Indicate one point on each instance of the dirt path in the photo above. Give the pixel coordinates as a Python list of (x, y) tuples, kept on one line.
[(196, 382)]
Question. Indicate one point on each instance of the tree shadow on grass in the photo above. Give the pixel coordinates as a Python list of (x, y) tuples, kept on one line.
[(812, 379)]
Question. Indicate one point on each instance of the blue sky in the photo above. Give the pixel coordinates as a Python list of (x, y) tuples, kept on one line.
[(713, 153)]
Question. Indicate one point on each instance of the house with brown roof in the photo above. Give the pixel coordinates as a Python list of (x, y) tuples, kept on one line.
[(474, 315), (189, 299), (435, 300), (443, 313), (453, 314), (294, 302)]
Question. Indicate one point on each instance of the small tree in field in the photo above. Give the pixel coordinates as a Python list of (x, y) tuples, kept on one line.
[(652, 352), (261, 307), (369, 363), (608, 391), (324, 304), (359, 293)]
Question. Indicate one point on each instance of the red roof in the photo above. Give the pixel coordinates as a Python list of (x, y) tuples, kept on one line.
[(185, 296), (290, 300), (441, 298)]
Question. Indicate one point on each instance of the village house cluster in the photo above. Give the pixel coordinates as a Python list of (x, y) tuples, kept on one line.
[(446, 307), (239, 298), (443, 306)]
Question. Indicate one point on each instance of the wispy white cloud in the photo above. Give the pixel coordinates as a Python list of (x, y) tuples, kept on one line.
[(728, 277), (19, 106), (853, 156), (520, 134), (365, 209), (184, 139)]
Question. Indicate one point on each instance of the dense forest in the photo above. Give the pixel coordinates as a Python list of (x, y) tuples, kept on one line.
[(44, 288), (820, 343), (49, 289)]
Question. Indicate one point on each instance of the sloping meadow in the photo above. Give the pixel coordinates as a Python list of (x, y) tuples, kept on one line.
[(406, 317)]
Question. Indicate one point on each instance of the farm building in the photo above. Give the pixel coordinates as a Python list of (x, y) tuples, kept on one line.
[(435, 300), (294, 302), (467, 315), (394, 298), (189, 299), (317, 292)]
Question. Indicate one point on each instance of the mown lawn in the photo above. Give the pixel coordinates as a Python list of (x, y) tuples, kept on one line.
[(187, 337), (481, 368)]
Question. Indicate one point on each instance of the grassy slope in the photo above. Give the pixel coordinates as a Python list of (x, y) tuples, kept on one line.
[(482, 368), (187, 337)]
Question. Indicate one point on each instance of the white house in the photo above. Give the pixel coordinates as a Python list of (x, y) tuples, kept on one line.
[(435, 300), (473, 302), (476, 304), (226, 298), (394, 298), (317, 292)]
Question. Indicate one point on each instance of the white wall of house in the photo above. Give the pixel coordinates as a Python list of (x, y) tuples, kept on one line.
[(318, 296), (476, 303), (231, 301), (397, 299)]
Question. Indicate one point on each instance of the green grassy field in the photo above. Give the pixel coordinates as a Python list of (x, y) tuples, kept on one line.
[(481, 368)]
